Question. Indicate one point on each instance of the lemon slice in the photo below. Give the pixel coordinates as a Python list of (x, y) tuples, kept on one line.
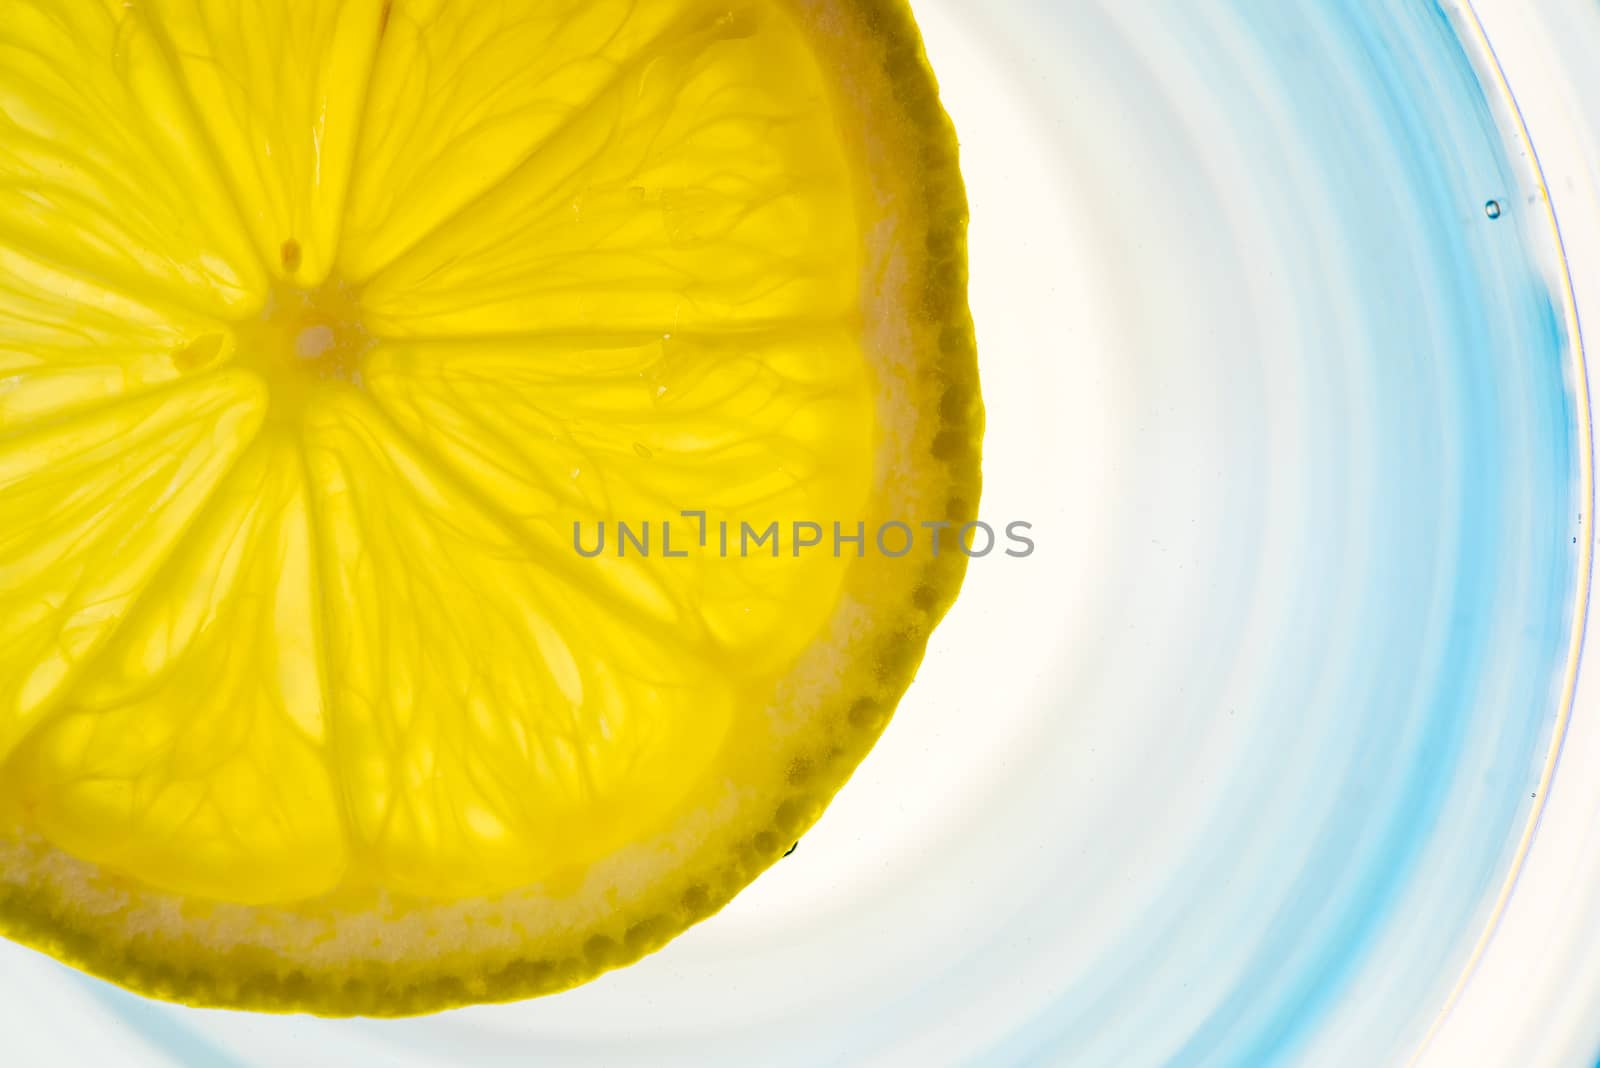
[(381, 386)]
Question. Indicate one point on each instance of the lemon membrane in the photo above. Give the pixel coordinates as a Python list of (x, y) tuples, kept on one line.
[(323, 324)]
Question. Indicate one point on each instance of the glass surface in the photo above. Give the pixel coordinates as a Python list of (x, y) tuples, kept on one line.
[(1280, 347)]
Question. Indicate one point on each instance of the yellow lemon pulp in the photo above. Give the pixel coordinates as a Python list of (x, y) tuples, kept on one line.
[(330, 332)]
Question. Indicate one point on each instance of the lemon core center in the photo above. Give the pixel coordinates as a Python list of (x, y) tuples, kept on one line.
[(306, 339)]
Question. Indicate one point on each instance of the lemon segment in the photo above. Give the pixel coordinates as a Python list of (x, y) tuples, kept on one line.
[(456, 105), (67, 343), (279, 86), (89, 509), (704, 189), (493, 726), (579, 439), (104, 170), (194, 758)]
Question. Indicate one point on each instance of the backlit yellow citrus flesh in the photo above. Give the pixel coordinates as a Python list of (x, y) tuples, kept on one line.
[(323, 325)]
